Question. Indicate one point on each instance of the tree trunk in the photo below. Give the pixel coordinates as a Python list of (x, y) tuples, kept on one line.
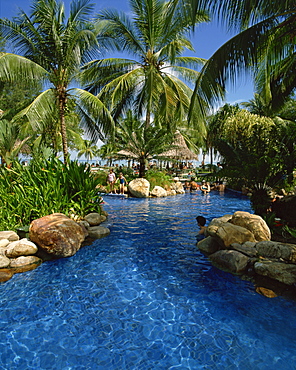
[(142, 167), (62, 105)]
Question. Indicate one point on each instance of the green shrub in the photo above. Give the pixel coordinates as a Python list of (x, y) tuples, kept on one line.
[(45, 187), (158, 178)]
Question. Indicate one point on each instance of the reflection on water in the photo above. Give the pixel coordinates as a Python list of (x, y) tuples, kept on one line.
[(145, 298)]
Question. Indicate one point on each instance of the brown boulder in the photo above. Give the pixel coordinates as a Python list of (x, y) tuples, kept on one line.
[(5, 274), (57, 235), (254, 223), (227, 234)]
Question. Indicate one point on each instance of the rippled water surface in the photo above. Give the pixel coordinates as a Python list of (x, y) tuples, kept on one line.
[(145, 298)]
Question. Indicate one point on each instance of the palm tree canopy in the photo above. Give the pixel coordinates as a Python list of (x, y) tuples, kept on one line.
[(153, 80), (265, 46), (57, 46)]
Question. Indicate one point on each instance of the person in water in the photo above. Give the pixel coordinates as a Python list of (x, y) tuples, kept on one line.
[(201, 222)]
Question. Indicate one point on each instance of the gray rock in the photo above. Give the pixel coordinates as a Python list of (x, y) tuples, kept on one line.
[(283, 272), (94, 219), (208, 245), (245, 249), (230, 260), (271, 249), (98, 232)]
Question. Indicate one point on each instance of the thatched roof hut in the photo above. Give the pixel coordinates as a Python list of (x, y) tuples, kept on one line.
[(179, 151), (127, 154)]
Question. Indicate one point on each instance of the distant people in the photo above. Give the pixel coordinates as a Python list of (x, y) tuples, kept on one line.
[(220, 186), (122, 183), (205, 187), (201, 222), (111, 178), (193, 185), (187, 185)]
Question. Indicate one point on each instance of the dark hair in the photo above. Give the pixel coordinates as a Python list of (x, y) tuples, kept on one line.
[(201, 220)]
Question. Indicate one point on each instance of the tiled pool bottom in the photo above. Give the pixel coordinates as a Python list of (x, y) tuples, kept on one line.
[(144, 298)]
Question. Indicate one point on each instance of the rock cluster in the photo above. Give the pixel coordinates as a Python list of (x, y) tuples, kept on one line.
[(16, 255), (240, 244), (52, 236), (140, 188)]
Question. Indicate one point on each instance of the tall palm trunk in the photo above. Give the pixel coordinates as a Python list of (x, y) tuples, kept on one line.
[(142, 167), (62, 105)]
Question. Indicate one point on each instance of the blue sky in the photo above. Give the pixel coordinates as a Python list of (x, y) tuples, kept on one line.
[(207, 39)]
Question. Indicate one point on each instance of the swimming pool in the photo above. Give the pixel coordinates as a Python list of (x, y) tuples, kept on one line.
[(145, 298)]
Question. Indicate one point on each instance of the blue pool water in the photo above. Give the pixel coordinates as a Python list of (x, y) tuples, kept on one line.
[(145, 298)]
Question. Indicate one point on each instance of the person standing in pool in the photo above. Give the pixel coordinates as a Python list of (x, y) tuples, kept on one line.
[(111, 178), (122, 183)]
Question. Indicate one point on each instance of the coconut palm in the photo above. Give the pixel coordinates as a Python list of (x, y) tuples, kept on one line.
[(153, 82), (88, 149), (265, 45), (53, 48), (10, 142), (134, 140)]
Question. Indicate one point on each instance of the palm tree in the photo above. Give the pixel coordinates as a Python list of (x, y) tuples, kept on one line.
[(265, 45), (134, 140), (153, 82), (54, 49), (88, 149), (10, 142)]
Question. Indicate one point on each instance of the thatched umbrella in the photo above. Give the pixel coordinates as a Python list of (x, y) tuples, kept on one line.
[(127, 154), (179, 151)]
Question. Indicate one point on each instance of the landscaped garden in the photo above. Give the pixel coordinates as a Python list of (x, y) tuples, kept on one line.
[(156, 109)]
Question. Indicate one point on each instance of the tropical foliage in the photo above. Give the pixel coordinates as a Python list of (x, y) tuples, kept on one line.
[(52, 49), (154, 82), (264, 45), (134, 140), (45, 187)]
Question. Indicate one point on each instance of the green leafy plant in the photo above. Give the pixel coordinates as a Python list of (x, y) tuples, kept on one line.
[(45, 187)]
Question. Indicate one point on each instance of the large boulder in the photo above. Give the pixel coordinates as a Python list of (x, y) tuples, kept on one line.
[(219, 221), (159, 192), (283, 272), (271, 249), (57, 235), (139, 188), (252, 222), (230, 260), (227, 234), (208, 245)]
